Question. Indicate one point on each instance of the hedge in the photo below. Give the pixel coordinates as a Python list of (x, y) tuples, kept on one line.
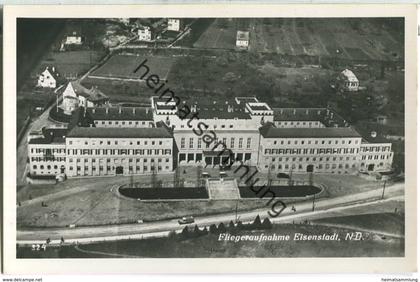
[(279, 191), (165, 193)]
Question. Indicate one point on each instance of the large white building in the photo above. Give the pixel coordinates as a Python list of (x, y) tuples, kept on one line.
[(138, 140)]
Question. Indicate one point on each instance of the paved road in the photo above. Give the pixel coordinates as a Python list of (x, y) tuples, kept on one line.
[(323, 207)]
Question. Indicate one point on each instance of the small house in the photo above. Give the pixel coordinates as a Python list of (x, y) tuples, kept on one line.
[(242, 39), (49, 78), (174, 24), (348, 81), (144, 33), (76, 95), (74, 38)]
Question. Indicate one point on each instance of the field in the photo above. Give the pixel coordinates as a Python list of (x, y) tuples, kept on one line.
[(70, 64), (210, 246), (124, 66), (384, 222), (221, 34), (353, 39)]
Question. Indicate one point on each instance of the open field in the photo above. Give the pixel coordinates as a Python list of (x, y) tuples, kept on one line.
[(221, 34), (70, 64), (355, 39), (382, 222), (209, 246), (124, 66)]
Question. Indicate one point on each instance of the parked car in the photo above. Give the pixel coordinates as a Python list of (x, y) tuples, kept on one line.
[(186, 220)]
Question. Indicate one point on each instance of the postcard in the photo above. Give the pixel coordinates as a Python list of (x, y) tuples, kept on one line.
[(210, 138)]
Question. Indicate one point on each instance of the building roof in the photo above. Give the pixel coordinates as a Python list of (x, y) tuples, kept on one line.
[(299, 114), (259, 107), (349, 75), (269, 131), (328, 117), (93, 94), (51, 136), (222, 113), (121, 113), (242, 35), (120, 132)]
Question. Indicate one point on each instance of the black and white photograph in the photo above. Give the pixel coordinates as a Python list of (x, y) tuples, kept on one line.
[(145, 137)]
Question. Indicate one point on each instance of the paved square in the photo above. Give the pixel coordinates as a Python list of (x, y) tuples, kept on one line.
[(223, 189)]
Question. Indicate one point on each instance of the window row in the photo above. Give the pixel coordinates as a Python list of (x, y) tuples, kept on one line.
[(145, 160), (216, 142), (47, 151), (311, 151), (313, 159), (112, 168), (316, 142), (119, 152), (48, 159), (120, 122), (116, 142)]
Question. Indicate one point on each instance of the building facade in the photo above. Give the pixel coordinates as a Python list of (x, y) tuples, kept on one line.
[(140, 140), (118, 151)]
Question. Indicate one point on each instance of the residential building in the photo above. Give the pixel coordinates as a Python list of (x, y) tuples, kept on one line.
[(174, 24), (145, 33), (347, 81), (49, 78), (75, 95), (242, 39)]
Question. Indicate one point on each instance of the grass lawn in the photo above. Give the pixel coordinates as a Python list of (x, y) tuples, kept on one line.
[(208, 246), (353, 39), (70, 63), (124, 66), (385, 222)]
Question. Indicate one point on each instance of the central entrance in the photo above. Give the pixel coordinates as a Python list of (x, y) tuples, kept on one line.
[(310, 168), (119, 170)]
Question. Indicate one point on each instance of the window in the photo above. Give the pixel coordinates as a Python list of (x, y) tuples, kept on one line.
[(232, 142), (240, 142), (248, 143), (182, 143), (199, 143), (191, 143), (34, 167)]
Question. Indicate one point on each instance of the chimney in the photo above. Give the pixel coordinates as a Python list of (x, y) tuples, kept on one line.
[(53, 69), (134, 111), (373, 134), (147, 110), (281, 111), (106, 110), (294, 111), (93, 110), (119, 110), (307, 112)]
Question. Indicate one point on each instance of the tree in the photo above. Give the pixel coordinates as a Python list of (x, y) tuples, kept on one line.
[(231, 225), (221, 228), (257, 222), (185, 232), (213, 229), (267, 223)]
